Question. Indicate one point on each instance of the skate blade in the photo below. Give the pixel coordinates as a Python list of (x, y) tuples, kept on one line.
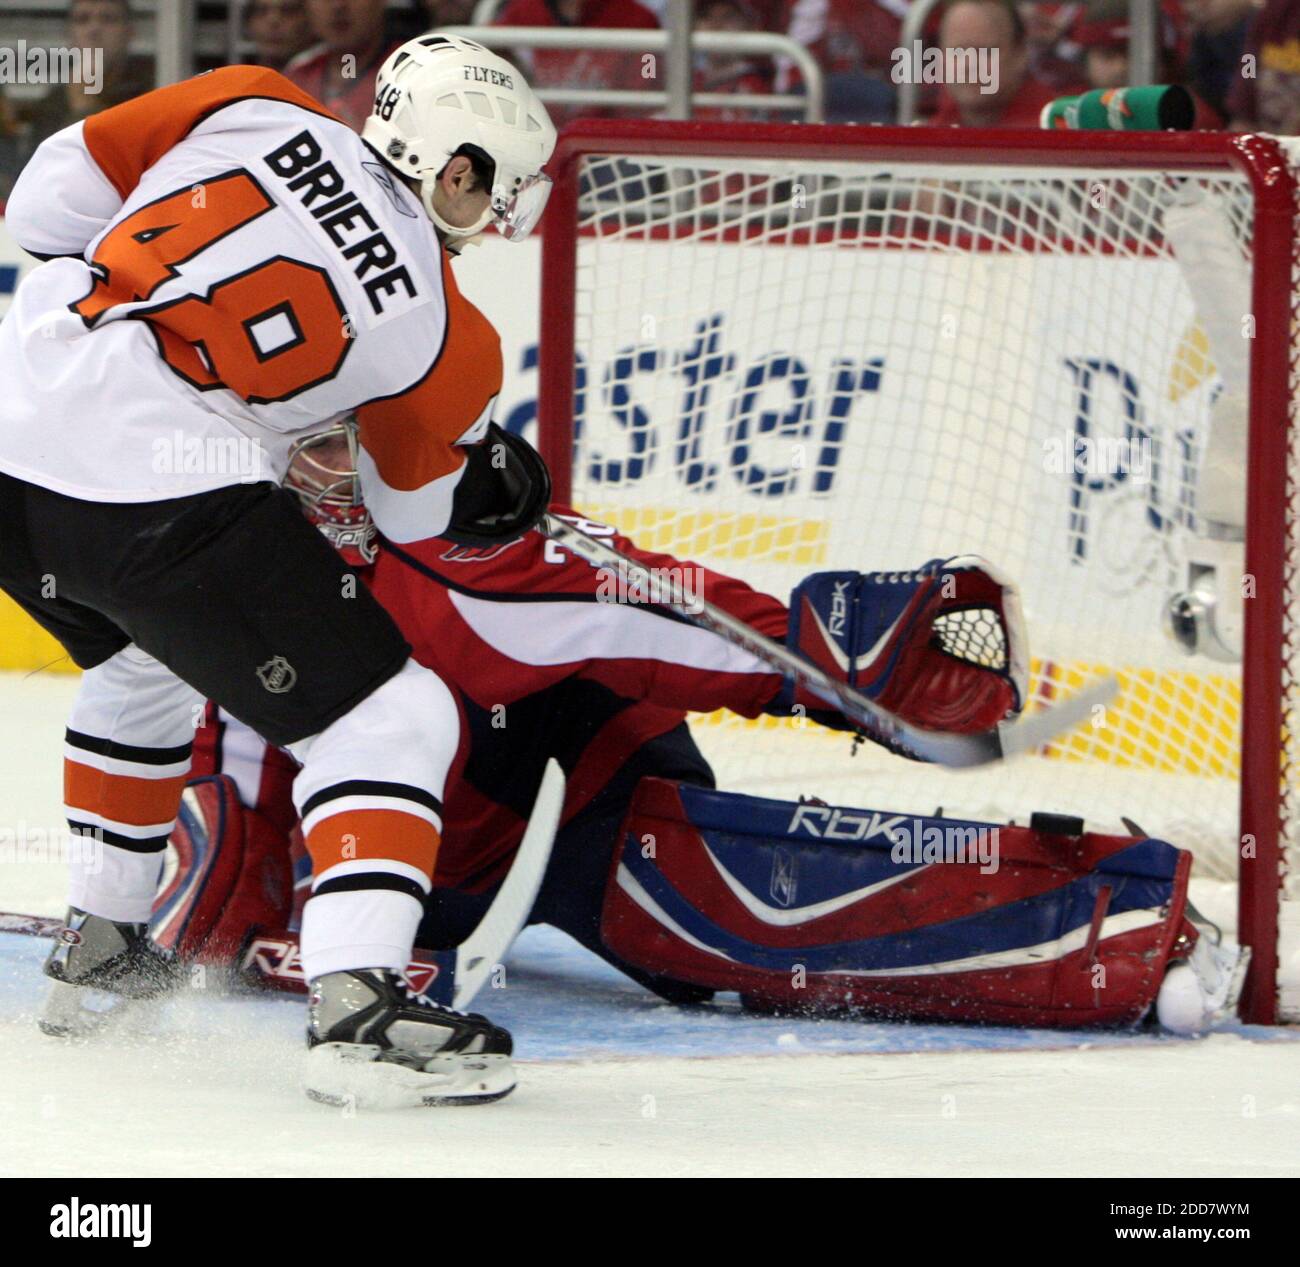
[(75, 1011), (350, 1076)]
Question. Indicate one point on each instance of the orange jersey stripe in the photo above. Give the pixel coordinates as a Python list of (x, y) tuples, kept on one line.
[(122, 798), (126, 140), (373, 835), (411, 436)]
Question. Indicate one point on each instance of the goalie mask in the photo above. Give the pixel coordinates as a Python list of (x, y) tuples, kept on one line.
[(438, 96), (323, 474)]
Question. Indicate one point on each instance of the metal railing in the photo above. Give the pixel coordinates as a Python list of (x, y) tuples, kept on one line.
[(175, 33), (1143, 40), (810, 104)]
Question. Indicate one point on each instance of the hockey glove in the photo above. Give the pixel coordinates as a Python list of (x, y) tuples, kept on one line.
[(504, 491), (942, 647)]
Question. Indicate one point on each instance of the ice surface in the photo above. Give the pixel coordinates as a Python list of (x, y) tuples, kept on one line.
[(611, 1080)]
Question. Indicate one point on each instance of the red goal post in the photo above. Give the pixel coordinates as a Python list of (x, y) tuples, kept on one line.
[(682, 234)]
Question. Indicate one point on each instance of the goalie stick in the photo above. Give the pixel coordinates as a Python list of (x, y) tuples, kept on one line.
[(271, 961), (1006, 739), (496, 931)]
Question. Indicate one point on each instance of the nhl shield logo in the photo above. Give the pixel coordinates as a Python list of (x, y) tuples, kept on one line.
[(278, 675)]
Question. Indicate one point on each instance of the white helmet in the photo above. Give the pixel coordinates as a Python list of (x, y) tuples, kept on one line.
[(436, 95)]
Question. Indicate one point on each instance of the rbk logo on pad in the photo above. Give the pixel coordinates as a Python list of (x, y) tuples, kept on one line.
[(839, 610)]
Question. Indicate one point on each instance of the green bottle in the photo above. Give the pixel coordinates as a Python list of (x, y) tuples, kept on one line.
[(1154, 108)]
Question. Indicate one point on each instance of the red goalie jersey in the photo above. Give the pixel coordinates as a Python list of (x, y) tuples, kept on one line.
[(547, 658)]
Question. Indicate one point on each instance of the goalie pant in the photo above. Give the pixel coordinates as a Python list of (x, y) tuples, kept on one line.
[(800, 907)]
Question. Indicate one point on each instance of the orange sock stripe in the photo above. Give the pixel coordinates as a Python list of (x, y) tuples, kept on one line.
[(373, 835), (122, 798)]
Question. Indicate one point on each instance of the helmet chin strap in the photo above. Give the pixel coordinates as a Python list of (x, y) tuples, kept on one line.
[(454, 236)]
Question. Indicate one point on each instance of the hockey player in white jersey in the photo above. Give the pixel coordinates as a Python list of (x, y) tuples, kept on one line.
[(230, 267)]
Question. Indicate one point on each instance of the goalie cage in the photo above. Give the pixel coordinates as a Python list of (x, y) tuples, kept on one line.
[(779, 348)]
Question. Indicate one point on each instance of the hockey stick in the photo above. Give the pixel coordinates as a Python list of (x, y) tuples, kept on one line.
[(271, 959), (30, 925), (486, 946), (1006, 739), (455, 977)]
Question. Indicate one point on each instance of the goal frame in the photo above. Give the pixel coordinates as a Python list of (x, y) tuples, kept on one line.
[(1274, 376)]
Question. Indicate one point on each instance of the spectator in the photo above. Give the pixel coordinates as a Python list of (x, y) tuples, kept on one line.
[(1103, 32), (96, 24), (1218, 37), (583, 68), (600, 13), (854, 42), (1270, 100), (10, 149), (1018, 98), (448, 13), (278, 29), (1054, 57), (730, 73), (340, 71)]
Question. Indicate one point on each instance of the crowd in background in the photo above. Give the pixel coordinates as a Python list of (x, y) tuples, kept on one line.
[(1240, 59)]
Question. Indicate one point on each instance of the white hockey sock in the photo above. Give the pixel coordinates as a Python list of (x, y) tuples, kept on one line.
[(115, 883), (360, 928)]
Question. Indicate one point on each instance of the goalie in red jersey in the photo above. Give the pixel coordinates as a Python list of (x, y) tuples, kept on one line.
[(797, 906)]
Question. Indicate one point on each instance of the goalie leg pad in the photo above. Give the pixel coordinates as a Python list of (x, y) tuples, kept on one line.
[(228, 875), (821, 909), (230, 890)]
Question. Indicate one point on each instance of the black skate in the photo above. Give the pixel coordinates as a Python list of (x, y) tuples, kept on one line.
[(95, 956), (373, 1044)]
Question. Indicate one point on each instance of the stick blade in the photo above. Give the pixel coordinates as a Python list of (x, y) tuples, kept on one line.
[(1042, 727), (1011, 738), (486, 946)]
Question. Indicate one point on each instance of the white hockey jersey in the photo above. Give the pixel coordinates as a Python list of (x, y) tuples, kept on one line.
[(228, 267)]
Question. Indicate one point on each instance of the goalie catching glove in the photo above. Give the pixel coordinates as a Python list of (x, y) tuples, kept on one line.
[(942, 647)]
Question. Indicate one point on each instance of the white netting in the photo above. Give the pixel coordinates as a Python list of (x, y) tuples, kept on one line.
[(786, 366)]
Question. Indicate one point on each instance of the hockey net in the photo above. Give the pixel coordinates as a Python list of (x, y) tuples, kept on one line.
[(781, 349)]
